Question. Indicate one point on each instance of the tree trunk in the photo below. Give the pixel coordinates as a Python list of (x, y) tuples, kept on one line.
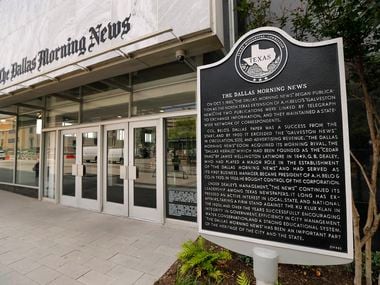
[(372, 220), (368, 262), (357, 245)]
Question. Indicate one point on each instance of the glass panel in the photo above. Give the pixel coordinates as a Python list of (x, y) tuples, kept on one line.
[(49, 165), (105, 105), (115, 158), (90, 164), (61, 111), (69, 158), (181, 179), (145, 162), (160, 72), (167, 95), (7, 148), (28, 151)]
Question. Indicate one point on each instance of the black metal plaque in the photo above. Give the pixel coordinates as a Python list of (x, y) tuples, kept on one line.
[(273, 143)]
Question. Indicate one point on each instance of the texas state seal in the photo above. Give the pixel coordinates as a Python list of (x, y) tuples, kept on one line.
[(261, 57)]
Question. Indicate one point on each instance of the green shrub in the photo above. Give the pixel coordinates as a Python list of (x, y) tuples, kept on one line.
[(375, 266), (243, 279), (186, 280), (202, 262)]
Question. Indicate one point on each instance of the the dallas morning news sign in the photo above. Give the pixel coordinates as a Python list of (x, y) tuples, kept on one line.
[(274, 145), (98, 35)]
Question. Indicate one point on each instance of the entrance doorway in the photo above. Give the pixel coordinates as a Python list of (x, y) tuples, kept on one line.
[(120, 174), (145, 170), (115, 184), (80, 168)]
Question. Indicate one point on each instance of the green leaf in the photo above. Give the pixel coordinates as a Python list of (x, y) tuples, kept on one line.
[(243, 279)]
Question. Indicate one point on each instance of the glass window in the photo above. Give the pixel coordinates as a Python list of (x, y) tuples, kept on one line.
[(62, 111), (181, 179), (115, 158), (7, 148), (107, 105), (160, 72), (167, 95), (69, 158), (145, 187), (28, 151), (49, 165), (90, 163)]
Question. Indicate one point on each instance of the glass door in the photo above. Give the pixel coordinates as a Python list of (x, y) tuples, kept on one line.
[(89, 169), (115, 184), (80, 168), (69, 155), (144, 170)]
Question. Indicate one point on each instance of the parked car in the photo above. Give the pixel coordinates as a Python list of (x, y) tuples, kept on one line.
[(2, 154)]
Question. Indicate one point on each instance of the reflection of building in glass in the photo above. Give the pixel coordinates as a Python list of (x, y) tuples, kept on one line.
[(7, 135), (181, 168)]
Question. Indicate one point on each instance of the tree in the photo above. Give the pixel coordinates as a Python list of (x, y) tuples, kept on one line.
[(358, 23)]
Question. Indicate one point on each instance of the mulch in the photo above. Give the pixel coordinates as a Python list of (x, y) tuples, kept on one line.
[(287, 274)]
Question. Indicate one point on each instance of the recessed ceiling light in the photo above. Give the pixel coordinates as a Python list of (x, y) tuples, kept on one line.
[(119, 117)]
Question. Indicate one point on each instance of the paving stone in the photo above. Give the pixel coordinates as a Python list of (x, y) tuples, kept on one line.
[(10, 257), (25, 265), (16, 278), (64, 280), (43, 275), (53, 261), (95, 278), (146, 279), (120, 271), (73, 270), (4, 269), (100, 265)]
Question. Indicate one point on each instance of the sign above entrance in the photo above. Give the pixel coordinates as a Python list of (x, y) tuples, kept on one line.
[(43, 41), (274, 151), (98, 35)]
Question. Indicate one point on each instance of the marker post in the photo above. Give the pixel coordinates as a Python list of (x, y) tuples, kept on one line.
[(265, 266)]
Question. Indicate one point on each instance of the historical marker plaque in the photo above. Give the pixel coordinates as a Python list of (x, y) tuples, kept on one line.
[(274, 163)]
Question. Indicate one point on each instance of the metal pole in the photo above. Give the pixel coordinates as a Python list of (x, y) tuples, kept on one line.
[(265, 266)]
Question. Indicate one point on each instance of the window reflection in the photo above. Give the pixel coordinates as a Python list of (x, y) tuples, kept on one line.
[(145, 162), (69, 158), (115, 158), (28, 151), (181, 180), (7, 148), (49, 171), (90, 164)]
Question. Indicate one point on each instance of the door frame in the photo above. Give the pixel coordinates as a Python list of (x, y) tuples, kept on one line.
[(111, 207), (145, 213), (77, 200)]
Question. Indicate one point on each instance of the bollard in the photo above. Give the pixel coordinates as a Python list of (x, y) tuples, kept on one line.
[(265, 266)]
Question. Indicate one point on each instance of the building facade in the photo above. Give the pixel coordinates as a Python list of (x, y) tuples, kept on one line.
[(98, 101)]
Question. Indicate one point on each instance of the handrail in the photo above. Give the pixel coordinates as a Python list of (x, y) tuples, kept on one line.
[(45, 74)]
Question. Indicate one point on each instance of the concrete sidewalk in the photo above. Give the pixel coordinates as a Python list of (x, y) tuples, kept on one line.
[(44, 243)]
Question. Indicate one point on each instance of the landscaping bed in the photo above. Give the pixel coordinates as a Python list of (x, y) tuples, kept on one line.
[(287, 275)]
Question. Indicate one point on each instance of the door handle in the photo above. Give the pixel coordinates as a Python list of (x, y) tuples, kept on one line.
[(133, 172), (74, 169), (81, 170), (124, 172)]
